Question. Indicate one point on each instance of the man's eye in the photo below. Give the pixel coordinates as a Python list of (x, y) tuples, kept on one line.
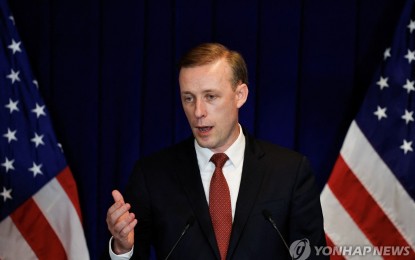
[(187, 99), (210, 97)]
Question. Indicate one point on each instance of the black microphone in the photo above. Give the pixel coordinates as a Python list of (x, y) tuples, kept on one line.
[(268, 216), (189, 223)]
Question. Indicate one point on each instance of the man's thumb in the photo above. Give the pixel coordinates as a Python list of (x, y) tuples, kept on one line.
[(117, 196)]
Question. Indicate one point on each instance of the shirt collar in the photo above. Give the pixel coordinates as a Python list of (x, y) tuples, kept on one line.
[(235, 152)]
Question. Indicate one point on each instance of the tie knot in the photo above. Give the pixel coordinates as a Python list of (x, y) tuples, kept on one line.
[(219, 159)]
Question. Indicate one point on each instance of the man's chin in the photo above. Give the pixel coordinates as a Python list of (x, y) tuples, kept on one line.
[(202, 142)]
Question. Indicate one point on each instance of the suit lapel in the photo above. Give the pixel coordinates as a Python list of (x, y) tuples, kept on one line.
[(252, 176), (189, 176)]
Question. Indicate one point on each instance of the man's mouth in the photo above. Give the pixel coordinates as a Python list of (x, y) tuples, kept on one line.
[(204, 129)]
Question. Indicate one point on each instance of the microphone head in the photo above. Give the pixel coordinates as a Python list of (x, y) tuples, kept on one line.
[(191, 220), (266, 214)]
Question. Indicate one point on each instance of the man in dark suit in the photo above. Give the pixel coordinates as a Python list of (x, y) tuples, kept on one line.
[(227, 207)]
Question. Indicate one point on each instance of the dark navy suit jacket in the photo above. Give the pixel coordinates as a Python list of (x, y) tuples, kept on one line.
[(165, 190)]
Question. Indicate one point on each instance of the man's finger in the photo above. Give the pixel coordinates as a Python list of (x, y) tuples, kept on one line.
[(125, 226), (129, 228), (117, 196), (116, 206), (120, 214)]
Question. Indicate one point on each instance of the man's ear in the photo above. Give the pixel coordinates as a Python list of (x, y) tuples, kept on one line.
[(241, 94)]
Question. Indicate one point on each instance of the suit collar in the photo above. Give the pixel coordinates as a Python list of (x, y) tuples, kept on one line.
[(252, 176), (189, 177)]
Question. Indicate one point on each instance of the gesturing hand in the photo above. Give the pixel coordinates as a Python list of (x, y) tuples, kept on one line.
[(121, 224)]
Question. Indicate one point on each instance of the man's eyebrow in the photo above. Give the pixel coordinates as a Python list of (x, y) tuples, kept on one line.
[(204, 91)]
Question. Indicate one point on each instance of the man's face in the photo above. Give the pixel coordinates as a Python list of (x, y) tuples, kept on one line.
[(211, 104)]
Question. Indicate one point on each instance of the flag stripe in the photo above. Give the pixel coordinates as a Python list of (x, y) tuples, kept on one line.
[(380, 182), (68, 224), (47, 246), (10, 237), (362, 208), (67, 182), (333, 256), (338, 224)]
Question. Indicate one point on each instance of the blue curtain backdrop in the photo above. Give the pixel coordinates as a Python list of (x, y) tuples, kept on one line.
[(107, 72)]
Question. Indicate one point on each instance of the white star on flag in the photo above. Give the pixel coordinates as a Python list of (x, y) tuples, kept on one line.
[(60, 147), (410, 56), (406, 146), (408, 116), (387, 53), (10, 135), (8, 164), (383, 82), (411, 26), (36, 169), (409, 86), (381, 113), (15, 46), (36, 84), (13, 76), (12, 19), (6, 194), (12, 105), (38, 140), (39, 110)]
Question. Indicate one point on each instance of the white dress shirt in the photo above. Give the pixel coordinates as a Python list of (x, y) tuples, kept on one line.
[(232, 170)]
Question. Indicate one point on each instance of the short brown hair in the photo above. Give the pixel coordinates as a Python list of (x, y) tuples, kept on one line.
[(209, 52)]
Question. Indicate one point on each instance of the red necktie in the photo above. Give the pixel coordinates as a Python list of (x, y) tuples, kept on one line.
[(220, 204)]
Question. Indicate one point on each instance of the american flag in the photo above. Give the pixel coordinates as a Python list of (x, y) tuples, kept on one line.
[(369, 198), (40, 217)]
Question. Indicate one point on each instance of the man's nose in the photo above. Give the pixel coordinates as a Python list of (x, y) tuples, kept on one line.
[(200, 109)]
